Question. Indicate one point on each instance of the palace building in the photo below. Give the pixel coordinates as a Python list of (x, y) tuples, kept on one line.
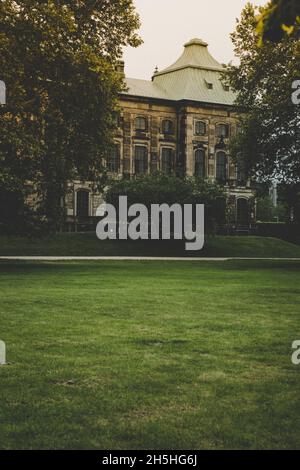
[(178, 122)]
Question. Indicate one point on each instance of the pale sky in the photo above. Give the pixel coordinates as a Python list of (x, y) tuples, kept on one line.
[(168, 24)]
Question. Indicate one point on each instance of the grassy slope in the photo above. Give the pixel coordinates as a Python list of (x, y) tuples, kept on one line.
[(89, 245), (150, 355)]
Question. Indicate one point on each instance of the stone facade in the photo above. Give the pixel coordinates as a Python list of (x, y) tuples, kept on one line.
[(183, 129)]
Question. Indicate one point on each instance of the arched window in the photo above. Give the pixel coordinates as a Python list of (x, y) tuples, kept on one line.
[(82, 203), (200, 163), (223, 130), (141, 124), (167, 160), (200, 128), (242, 212), (113, 160), (140, 159), (167, 126), (221, 167)]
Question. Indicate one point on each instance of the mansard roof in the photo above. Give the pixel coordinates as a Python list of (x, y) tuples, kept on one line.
[(195, 76)]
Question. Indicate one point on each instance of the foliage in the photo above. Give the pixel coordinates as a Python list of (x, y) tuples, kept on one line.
[(278, 18), (164, 189), (58, 62), (289, 195), (266, 212), (288, 207), (269, 139)]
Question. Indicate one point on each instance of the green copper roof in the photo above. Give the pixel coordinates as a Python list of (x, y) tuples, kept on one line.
[(195, 55), (195, 76), (145, 89)]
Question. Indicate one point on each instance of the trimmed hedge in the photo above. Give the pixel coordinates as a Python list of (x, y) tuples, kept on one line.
[(289, 232)]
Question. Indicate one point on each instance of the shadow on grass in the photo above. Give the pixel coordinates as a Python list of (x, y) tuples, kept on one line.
[(88, 245)]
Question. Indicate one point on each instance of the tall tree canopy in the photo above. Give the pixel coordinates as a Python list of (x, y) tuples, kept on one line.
[(269, 137), (280, 17), (58, 62)]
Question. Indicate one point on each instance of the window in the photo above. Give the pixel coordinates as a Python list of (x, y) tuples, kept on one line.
[(200, 128), (140, 159), (200, 163), (223, 130), (209, 85), (82, 203), (167, 126), (167, 160), (141, 124), (221, 167), (113, 160)]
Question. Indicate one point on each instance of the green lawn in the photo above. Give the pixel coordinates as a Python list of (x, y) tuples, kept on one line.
[(78, 244), (133, 355)]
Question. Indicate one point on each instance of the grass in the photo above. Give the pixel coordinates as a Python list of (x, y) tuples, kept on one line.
[(77, 244), (150, 355)]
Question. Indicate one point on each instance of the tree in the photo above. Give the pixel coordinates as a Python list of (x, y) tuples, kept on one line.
[(280, 17), (268, 142), (58, 62), (289, 195), (164, 189)]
